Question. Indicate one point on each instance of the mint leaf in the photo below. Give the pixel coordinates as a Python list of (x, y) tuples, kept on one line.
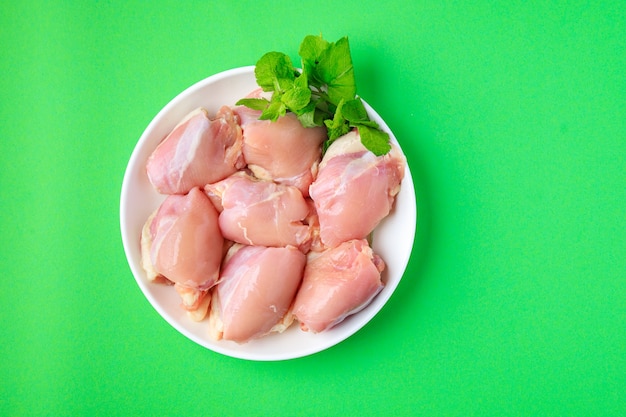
[(374, 140), (275, 109), (298, 95), (308, 116), (336, 71), (296, 98), (274, 71), (354, 111), (253, 103), (310, 51), (338, 126)]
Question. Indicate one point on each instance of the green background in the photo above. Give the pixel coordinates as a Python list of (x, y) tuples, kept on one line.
[(513, 118)]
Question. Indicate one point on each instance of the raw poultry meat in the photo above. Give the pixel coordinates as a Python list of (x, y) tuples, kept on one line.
[(354, 189), (337, 283), (259, 230), (256, 288), (182, 241), (258, 212), (283, 151), (198, 151)]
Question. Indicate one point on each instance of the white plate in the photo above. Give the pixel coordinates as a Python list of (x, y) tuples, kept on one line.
[(393, 238)]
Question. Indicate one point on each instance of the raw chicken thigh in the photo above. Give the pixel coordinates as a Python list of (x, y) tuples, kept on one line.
[(337, 283), (354, 189), (283, 151), (257, 286), (257, 212), (198, 151), (182, 242)]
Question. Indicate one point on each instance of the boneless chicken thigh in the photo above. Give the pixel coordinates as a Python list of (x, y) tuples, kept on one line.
[(283, 151), (257, 286), (354, 189), (258, 212), (182, 242), (198, 151), (337, 283)]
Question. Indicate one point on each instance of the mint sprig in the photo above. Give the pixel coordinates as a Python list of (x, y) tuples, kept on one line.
[(323, 93)]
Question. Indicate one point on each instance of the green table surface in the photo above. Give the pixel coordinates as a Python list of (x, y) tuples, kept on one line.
[(513, 119)]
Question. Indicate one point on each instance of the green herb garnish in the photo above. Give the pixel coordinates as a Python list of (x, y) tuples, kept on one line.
[(323, 93)]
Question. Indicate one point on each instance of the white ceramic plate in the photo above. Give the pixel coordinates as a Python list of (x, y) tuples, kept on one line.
[(393, 238)]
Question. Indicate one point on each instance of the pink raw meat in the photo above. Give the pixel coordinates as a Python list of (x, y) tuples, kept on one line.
[(337, 283), (257, 212), (197, 152), (184, 241), (354, 189), (257, 286), (283, 151)]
